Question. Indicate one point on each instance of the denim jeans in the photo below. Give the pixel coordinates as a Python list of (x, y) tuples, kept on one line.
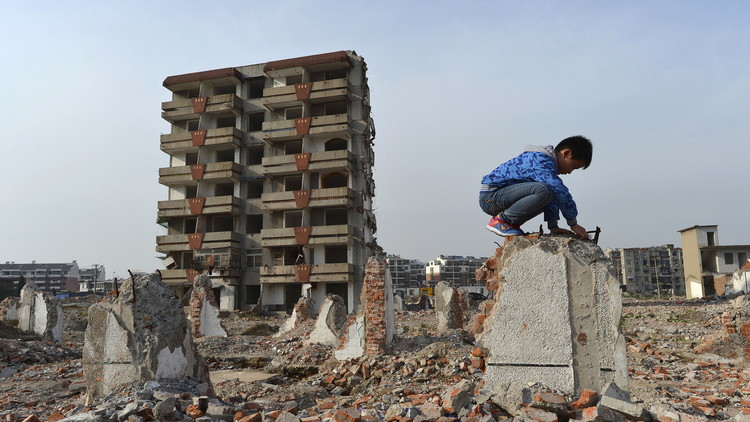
[(516, 204)]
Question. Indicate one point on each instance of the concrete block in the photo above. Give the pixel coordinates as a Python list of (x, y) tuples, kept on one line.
[(556, 317)]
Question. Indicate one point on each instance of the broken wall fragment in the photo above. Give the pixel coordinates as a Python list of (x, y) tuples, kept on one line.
[(40, 313), (140, 335)]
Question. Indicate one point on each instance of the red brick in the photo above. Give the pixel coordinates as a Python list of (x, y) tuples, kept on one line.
[(588, 398), (347, 415)]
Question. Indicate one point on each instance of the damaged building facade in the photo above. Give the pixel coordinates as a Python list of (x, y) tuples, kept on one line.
[(707, 262), (270, 183)]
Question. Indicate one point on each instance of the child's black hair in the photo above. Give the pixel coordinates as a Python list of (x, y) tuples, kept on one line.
[(580, 146)]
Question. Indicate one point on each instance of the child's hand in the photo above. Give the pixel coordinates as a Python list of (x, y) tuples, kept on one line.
[(560, 230), (580, 231)]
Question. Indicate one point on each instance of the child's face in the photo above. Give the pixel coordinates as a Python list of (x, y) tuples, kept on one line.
[(566, 163)]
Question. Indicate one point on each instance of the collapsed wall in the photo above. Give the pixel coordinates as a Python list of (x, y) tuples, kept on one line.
[(556, 316), (370, 332), (204, 310), (40, 313), (139, 335)]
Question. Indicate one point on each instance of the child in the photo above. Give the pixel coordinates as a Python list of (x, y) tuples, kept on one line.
[(520, 189)]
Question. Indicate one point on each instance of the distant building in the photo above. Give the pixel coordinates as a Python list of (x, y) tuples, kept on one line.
[(648, 270), (458, 271), (406, 274), (92, 278), (53, 278), (706, 261)]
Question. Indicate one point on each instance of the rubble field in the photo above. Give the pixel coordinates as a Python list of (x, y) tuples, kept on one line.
[(677, 371)]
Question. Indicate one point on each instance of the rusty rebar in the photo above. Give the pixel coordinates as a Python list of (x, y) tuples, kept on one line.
[(132, 281)]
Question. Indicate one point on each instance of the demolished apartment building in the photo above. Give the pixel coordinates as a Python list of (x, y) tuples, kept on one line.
[(270, 181)]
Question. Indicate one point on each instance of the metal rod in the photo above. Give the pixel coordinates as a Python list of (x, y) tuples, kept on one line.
[(132, 281)]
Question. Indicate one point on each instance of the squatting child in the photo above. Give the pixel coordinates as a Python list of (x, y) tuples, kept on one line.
[(529, 184)]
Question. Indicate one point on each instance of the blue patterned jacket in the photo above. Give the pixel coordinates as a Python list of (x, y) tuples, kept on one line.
[(536, 164)]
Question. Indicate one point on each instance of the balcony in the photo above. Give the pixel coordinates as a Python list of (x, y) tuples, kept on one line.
[(225, 171), (194, 241), (315, 235), (199, 206), (192, 108), (331, 273), (190, 141), (186, 277), (314, 92), (341, 160), (334, 125), (329, 197)]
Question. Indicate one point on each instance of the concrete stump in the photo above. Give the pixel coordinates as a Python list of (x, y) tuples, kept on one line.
[(556, 319), (9, 310), (40, 313), (137, 337), (204, 310), (448, 308), (331, 321)]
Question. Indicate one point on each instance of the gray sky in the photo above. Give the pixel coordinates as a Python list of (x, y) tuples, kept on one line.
[(661, 88)]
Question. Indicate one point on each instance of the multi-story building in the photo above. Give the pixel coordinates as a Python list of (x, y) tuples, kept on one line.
[(269, 181), (53, 277), (92, 279), (457, 271), (706, 260), (648, 270), (405, 273)]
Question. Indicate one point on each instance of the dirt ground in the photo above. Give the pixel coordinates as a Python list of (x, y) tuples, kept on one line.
[(668, 362)]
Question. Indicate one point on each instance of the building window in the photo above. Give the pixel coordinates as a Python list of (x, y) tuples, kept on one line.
[(741, 258), (254, 258), (336, 144), (293, 219), (292, 183), (254, 224), (293, 113), (710, 238), (729, 258)]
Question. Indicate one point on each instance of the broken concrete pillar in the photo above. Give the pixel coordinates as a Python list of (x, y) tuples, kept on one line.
[(331, 321), (448, 308), (137, 336), (9, 310), (40, 313), (556, 319), (398, 303), (300, 314), (204, 310), (371, 331)]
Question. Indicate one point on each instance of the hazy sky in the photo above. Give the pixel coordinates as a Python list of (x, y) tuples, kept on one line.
[(661, 88)]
